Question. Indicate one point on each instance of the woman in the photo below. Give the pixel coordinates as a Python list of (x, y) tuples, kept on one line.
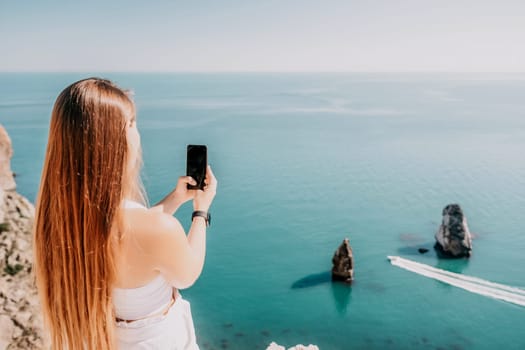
[(107, 268)]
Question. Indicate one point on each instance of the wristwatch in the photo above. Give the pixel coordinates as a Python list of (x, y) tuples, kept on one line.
[(204, 214)]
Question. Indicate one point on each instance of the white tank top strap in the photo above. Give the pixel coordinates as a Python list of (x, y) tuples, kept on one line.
[(131, 204)]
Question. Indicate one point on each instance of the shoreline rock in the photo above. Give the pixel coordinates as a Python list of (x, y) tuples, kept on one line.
[(21, 325), (7, 179), (453, 239)]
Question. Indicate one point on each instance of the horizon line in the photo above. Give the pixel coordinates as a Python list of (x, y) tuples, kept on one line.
[(265, 72)]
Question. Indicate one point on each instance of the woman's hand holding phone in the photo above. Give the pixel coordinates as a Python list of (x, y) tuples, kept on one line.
[(181, 192), (199, 183), (180, 195), (203, 198)]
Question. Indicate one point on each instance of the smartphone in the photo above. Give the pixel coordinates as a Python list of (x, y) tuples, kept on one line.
[(196, 163)]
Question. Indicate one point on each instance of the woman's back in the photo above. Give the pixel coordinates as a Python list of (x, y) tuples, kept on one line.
[(133, 265), (151, 315), (139, 290)]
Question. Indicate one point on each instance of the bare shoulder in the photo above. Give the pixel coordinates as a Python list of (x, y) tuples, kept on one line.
[(156, 241), (151, 227)]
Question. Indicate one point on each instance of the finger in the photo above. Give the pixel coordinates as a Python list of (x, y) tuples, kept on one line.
[(208, 171), (211, 187), (210, 176), (207, 177), (188, 180)]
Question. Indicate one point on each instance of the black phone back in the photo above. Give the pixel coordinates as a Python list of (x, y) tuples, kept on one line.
[(196, 162)]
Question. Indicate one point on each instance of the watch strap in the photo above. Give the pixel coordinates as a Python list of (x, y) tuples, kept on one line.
[(204, 214)]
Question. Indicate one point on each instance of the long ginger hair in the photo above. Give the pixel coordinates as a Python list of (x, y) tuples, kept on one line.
[(86, 176)]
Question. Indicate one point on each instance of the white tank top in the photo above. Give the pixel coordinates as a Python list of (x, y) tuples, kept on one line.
[(141, 302)]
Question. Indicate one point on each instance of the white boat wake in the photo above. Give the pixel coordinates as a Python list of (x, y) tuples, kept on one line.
[(472, 284)]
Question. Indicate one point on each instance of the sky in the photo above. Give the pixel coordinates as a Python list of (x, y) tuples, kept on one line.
[(263, 35)]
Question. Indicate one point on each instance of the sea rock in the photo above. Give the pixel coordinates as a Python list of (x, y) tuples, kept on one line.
[(453, 238), (275, 346), (304, 347), (7, 180), (20, 316), (343, 263)]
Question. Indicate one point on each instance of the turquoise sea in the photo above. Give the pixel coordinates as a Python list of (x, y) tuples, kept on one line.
[(305, 160)]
